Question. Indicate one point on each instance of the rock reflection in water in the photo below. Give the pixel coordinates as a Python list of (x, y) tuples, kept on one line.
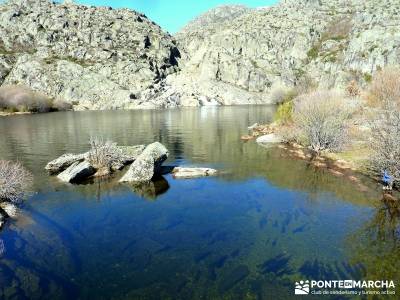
[(150, 190)]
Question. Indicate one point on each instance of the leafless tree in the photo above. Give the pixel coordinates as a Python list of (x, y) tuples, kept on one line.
[(15, 181)]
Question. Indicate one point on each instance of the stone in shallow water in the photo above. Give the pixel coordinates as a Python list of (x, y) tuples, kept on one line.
[(63, 162), (77, 172), (147, 164), (179, 172), (269, 139)]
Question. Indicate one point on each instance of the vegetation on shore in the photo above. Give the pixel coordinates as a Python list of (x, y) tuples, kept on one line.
[(15, 181), (359, 126), (21, 99)]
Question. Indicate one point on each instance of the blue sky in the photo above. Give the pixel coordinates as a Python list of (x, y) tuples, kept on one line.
[(173, 15)]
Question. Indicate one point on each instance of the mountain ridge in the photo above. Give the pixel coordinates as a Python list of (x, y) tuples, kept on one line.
[(229, 55)]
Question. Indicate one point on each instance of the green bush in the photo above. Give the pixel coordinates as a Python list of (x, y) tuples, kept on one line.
[(284, 113), (313, 52)]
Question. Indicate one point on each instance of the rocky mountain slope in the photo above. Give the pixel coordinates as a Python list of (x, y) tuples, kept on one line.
[(96, 58), (100, 58), (324, 42)]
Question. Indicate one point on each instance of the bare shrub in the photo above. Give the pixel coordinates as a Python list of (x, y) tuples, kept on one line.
[(103, 154), (385, 144), (21, 98), (320, 120), (384, 91), (384, 94), (15, 181), (352, 89)]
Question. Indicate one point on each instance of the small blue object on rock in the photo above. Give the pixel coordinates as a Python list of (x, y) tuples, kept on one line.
[(387, 180)]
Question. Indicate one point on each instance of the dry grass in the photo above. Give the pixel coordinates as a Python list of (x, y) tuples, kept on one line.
[(384, 91), (17, 98), (338, 30), (15, 181)]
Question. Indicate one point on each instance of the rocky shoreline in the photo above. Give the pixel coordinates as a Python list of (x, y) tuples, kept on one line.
[(266, 135), (7, 114)]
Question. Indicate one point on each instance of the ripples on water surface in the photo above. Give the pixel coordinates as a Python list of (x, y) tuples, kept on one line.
[(247, 234)]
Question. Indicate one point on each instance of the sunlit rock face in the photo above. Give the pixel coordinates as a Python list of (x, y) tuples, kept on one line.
[(93, 57), (102, 58), (239, 58)]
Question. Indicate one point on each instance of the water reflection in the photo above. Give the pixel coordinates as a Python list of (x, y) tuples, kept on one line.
[(249, 233), (151, 190), (376, 245)]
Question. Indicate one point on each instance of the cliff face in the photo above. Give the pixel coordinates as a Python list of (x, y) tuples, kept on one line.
[(99, 58), (327, 41)]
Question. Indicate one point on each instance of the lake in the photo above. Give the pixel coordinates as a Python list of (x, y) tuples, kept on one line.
[(250, 233)]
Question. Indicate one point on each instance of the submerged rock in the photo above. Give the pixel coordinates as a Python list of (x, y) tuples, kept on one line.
[(64, 161), (77, 172), (179, 172), (269, 139), (147, 164)]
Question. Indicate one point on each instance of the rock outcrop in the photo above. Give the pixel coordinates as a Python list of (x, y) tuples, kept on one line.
[(104, 58), (92, 57), (295, 43), (100, 161), (146, 164)]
